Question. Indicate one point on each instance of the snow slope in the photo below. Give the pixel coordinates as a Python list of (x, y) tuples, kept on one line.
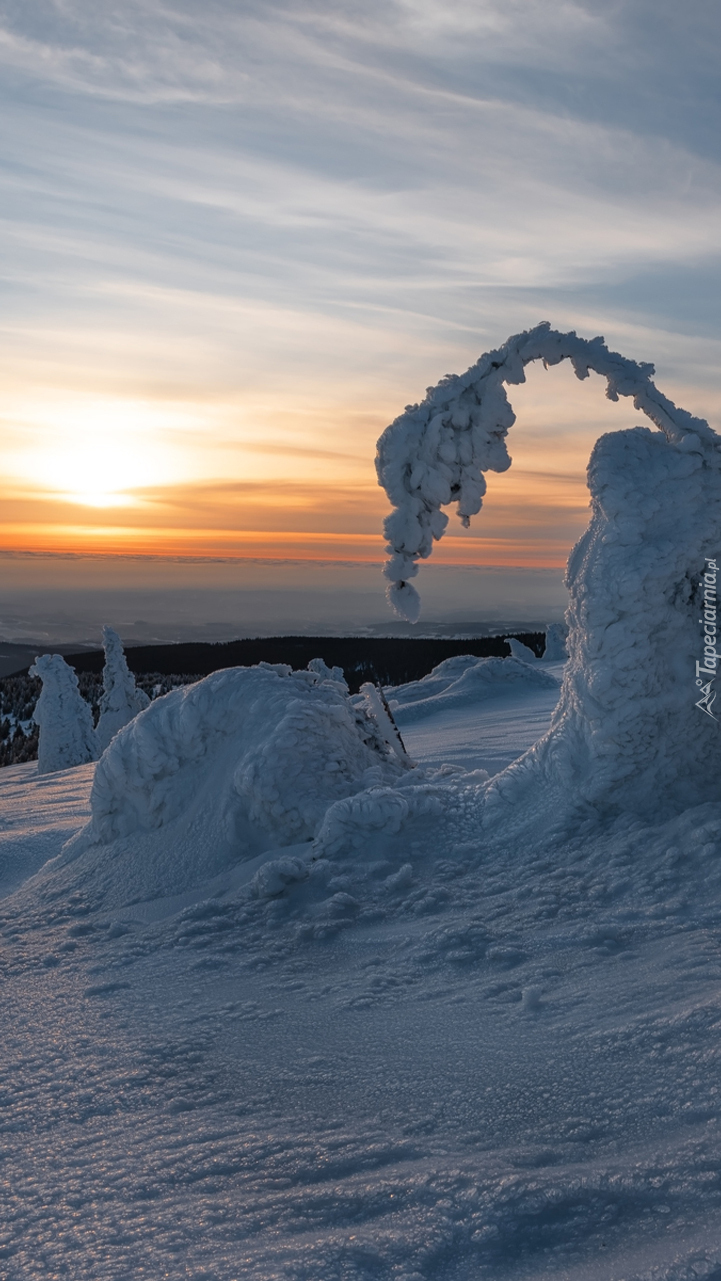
[(415, 1054), (464, 681)]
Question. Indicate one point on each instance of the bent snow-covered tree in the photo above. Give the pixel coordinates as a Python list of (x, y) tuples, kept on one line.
[(627, 733), (67, 737), (121, 700)]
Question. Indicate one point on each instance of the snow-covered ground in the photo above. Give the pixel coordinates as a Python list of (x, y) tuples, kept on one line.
[(432, 1056), (486, 734)]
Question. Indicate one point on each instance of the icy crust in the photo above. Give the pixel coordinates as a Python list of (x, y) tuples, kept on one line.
[(627, 734), (436, 453), (460, 682), (67, 737), (121, 700)]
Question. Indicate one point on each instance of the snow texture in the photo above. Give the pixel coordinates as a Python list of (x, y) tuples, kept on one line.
[(463, 681), (378, 708), (397, 1054), (67, 737), (121, 700), (627, 734)]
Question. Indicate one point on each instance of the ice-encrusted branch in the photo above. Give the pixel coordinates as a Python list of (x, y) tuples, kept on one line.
[(436, 453)]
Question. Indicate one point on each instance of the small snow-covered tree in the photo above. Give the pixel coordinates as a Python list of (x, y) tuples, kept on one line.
[(67, 737), (121, 699), (555, 651), (519, 650)]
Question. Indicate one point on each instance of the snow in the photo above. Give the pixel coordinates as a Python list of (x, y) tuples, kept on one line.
[(67, 736), (521, 651), (38, 815), (485, 736), (461, 682), (422, 1060), (246, 760), (555, 650)]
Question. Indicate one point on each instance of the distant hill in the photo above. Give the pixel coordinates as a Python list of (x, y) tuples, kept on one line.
[(389, 660), (159, 668)]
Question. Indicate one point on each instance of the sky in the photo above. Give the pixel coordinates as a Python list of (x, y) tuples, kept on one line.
[(239, 238)]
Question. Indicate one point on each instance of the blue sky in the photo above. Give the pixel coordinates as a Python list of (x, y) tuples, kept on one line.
[(238, 239)]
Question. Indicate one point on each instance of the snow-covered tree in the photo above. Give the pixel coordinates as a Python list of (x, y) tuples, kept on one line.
[(519, 650), (67, 737), (555, 651), (121, 700), (635, 728)]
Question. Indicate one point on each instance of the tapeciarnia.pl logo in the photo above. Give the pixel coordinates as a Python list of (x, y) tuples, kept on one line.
[(710, 657)]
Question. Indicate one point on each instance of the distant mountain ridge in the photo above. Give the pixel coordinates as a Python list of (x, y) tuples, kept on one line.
[(389, 660)]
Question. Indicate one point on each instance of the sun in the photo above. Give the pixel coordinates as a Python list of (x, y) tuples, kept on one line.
[(98, 453)]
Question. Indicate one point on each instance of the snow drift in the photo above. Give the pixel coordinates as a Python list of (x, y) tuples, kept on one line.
[(628, 733), (463, 681)]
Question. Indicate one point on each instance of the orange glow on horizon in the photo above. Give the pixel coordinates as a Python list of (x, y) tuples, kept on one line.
[(118, 540)]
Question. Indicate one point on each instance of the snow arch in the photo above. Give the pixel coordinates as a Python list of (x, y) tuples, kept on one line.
[(629, 732), (436, 453)]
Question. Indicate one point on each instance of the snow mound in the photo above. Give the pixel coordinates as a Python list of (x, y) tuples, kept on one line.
[(67, 737), (121, 700), (248, 759), (350, 823), (435, 682), (466, 681)]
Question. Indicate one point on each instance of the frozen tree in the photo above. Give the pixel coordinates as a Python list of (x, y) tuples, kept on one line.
[(326, 673), (436, 452), (67, 736), (555, 651), (519, 650), (121, 700), (635, 728)]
